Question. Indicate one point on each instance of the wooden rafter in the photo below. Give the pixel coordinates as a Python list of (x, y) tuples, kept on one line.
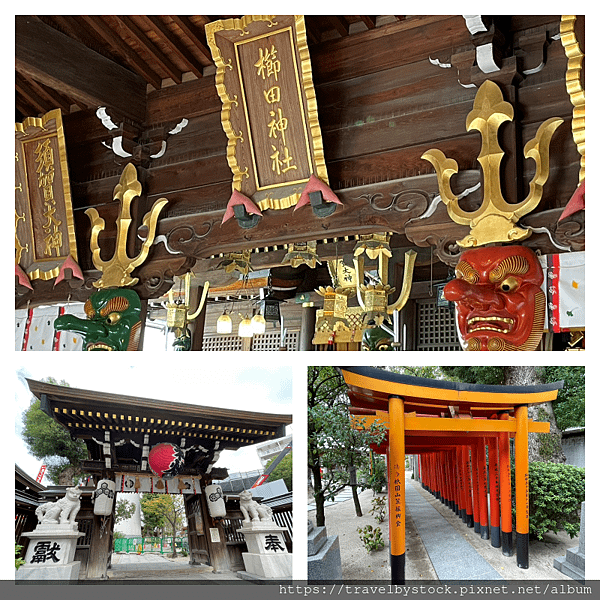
[(144, 41), (194, 34), (175, 44), (129, 55)]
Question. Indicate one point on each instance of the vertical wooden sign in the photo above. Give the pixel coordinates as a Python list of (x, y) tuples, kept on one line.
[(269, 113), (44, 226)]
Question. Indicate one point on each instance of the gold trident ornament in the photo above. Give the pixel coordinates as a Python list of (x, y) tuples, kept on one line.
[(115, 272), (495, 220)]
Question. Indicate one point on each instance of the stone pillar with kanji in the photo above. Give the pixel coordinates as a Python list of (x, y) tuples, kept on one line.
[(267, 556), (53, 542)]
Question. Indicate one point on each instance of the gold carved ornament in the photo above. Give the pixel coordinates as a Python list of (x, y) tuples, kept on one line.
[(495, 220), (178, 309), (372, 297), (116, 271), (574, 81)]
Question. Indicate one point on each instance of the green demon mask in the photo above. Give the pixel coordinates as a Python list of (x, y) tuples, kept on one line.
[(376, 338), (183, 340), (113, 321)]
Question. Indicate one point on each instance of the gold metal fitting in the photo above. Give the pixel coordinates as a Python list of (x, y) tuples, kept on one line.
[(495, 220), (116, 271)]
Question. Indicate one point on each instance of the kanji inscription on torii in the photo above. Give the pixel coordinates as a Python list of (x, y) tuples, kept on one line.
[(269, 110), (44, 226)]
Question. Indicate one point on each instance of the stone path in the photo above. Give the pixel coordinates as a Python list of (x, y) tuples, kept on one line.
[(438, 545), (452, 557), (158, 567)]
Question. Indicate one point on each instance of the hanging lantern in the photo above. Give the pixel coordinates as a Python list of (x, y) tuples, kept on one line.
[(224, 323), (215, 501), (272, 314), (259, 324), (245, 328), (103, 497), (166, 460)]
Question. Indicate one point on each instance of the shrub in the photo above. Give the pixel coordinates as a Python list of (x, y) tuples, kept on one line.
[(18, 561), (378, 508), (378, 478), (556, 492), (371, 538)]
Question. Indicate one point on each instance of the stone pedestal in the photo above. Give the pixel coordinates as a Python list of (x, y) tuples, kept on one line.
[(267, 556), (324, 559), (50, 553), (573, 564)]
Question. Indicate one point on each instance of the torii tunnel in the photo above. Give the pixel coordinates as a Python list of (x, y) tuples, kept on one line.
[(449, 425)]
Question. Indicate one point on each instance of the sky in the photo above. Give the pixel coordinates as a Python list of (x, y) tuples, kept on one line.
[(216, 381)]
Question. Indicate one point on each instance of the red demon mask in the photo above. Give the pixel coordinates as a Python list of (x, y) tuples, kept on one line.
[(499, 301)]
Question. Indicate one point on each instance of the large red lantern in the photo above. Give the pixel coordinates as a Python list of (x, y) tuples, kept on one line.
[(166, 460)]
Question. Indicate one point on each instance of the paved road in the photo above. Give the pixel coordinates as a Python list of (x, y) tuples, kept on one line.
[(344, 495)]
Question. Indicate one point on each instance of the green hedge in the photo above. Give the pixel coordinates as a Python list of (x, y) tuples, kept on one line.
[(556, 492)]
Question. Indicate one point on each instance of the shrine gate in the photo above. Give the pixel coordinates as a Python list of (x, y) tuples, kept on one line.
[(119, 432), (450, 426)]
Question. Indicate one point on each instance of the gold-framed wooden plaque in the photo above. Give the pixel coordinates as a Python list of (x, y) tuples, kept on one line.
[(44, 225), (264, 80)]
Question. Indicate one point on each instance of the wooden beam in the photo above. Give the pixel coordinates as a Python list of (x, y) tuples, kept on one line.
[(48, 98), (55, 60), (428, 424), (30, 97)]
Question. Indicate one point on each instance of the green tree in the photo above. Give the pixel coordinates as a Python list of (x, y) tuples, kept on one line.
[(123, 510), (52, 443), (569, 406), (162, 510), (336, 447), (282, 471)]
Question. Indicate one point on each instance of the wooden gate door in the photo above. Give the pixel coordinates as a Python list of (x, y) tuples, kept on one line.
[(196, 531)]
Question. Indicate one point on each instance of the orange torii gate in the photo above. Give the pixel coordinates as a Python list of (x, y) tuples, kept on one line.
[(449, 426)]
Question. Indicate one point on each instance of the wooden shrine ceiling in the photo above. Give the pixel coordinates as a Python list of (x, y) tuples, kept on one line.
[(119, 427), (160, 49)]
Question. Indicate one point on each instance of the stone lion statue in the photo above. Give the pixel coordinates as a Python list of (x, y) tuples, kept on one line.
[(62, 511), (252, 510)]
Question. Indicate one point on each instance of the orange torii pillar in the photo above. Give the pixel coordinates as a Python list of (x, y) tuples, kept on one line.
[(522, 486), (505, 491), (397, 518), (483, 498), (475, 488), (467, 479), (492, 443)]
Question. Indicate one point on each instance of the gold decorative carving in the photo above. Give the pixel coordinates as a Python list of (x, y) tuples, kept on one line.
[(236, 261), (302, 253), (575, 88), (178, 308), (495, 220), (116, 271), (269, 112)]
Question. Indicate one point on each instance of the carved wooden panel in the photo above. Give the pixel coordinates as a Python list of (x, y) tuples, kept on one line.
[(269, 110), (44, 226)]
